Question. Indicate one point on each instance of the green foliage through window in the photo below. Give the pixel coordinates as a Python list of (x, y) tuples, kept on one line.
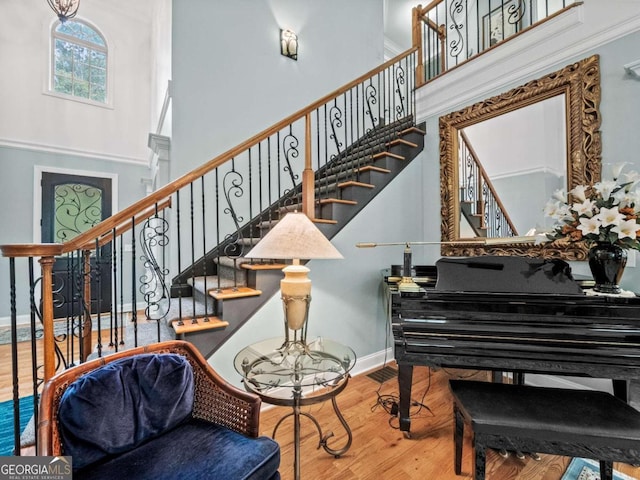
[(80, 61)]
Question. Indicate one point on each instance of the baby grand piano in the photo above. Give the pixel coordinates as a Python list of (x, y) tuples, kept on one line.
[(513, 314)]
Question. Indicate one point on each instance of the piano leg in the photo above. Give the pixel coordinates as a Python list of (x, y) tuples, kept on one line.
[(405, 379), (458, 436)]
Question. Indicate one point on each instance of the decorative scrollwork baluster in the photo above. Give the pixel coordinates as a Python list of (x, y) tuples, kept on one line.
[(232, 188), (515, 13), (456, 45), (371, 97), (153, 285), (290, 145), (335, 122), (400, 81)]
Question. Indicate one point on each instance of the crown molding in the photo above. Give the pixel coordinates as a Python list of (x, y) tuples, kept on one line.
[(40, 147)]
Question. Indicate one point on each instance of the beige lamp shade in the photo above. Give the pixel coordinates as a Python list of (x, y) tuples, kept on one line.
[(294, 237)]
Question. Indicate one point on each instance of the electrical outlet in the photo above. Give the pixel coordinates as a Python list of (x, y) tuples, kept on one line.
[(128, 247)]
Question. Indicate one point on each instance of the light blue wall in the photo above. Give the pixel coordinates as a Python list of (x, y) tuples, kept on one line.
[(230, 80)]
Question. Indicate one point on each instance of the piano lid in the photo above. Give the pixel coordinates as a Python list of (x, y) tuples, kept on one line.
[(506, 274)]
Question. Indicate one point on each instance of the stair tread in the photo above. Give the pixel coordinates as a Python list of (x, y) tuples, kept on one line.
[(413, 129), (387, 154), (352, 183), (373, 168), (230, 293), (198, 324), (263, 266), (337, 200), (198, 283), (325, 220), (398, 141)]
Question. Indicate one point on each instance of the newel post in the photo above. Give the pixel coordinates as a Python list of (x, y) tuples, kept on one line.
[(46, 264), (308, 177), (416, 30)]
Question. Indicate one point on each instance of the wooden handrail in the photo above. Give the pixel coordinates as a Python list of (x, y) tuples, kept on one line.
[(126, 226), (431, 5), (107, 225)]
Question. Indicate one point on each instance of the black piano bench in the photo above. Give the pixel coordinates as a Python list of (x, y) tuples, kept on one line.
[(575, 423)]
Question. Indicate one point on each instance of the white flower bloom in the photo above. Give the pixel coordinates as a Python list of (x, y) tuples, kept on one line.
[(605, 188), (560, 195), (579, 193), (589, 225), (609, 216), (620, 198), (551, 209), (616, 169), (627, 229), (584, 208)]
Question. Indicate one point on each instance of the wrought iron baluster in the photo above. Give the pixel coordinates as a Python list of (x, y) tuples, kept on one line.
[(217, 203), (113, 321), (179, 245), (98, 295), (121, 293), (204, 253), (134, 290), (193, 255), (37, 381), (14, 356)]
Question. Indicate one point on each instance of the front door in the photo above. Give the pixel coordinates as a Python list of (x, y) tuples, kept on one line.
[(71, 205)]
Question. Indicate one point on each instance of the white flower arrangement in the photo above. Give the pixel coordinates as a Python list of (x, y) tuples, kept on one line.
[(608, 211)]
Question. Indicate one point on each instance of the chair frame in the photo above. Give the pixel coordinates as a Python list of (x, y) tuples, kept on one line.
[(215, 400)]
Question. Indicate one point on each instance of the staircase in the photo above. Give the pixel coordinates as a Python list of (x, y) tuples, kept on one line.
[(212, 307)]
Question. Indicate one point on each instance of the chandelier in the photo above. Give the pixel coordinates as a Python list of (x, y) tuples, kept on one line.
[(65, 9)]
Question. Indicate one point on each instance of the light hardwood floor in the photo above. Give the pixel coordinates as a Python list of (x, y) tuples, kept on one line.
[(379, 450)]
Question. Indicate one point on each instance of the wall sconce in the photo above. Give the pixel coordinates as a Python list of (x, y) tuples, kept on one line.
[(289, 44)]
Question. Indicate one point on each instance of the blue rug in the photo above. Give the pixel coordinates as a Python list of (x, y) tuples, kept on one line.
[(587, 469), (6, 422)]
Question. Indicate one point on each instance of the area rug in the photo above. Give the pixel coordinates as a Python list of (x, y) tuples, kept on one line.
[(587, 469), (6, 422)]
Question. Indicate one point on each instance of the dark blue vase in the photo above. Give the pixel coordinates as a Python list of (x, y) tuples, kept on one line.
[(607, 262)]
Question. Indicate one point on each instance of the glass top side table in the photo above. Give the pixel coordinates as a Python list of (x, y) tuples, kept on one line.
[(295, 375)]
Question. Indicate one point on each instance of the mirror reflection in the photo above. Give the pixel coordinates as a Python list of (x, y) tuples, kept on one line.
[(501, 159), (521, 151)]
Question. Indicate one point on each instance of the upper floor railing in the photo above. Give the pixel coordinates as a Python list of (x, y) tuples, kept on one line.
[(447, 33)]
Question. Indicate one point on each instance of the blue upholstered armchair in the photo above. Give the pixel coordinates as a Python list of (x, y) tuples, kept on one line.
[(154, 412)]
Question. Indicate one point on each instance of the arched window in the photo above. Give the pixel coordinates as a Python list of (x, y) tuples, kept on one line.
[(79, 66)]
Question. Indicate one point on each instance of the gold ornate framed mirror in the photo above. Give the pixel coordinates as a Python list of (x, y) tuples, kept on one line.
[(576, 88)]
